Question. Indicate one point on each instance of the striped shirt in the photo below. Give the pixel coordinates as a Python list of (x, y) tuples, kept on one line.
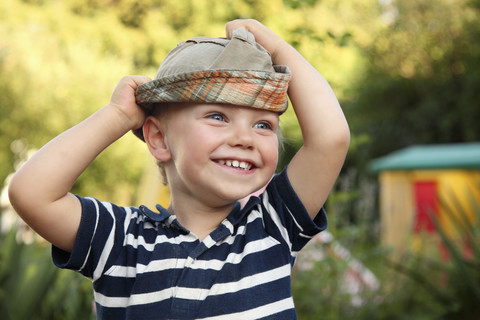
[(145, 265)]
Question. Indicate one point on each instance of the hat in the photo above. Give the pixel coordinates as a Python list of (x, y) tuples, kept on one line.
[(235, 71)]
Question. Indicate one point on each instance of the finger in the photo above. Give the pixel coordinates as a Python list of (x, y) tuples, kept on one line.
[(229, 29), (234, 25), (141, 79), (135, 81)]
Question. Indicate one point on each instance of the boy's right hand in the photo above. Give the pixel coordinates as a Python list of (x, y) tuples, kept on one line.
[(123, 99)]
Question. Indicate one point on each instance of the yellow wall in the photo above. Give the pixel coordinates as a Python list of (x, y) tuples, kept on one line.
[(151, 190), (396, 208), (397, 205)]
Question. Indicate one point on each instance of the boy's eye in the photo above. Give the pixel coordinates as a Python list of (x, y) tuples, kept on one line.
[(216, 116), (263, 125)]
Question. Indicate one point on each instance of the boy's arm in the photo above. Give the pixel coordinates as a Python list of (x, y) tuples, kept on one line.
[(40, 190), (326, 136)]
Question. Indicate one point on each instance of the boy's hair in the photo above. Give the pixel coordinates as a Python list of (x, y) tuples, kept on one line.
[(163, 173), (238, 71)]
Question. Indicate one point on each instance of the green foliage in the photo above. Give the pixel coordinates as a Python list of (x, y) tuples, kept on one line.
[(31, 288), (464, 268), (295, 4), (422, 76), (318, 293)]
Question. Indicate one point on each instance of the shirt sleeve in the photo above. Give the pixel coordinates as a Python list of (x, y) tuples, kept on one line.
[(292, 223), (101, 228)]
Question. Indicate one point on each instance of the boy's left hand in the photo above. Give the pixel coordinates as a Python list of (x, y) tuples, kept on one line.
[(263, 35)]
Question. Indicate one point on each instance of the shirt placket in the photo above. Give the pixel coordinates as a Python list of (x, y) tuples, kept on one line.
[(186, 302)]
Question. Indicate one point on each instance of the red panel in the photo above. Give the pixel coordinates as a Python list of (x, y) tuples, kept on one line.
[(426, 203)]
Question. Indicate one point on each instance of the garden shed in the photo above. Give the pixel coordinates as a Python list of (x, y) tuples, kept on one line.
[(419, 182)]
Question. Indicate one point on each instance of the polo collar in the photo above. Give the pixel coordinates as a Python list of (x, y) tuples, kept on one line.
[(226, 228)]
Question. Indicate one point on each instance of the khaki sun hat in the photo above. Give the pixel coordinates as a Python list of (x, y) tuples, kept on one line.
[(235, 71)]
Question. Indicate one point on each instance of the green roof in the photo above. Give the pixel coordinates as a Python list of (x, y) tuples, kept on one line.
[(441, 156)]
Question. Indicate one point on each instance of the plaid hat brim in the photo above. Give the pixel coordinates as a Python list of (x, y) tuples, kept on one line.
[(257, 89)]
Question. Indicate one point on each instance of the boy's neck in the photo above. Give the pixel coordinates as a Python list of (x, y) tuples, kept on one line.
[(199, 219)]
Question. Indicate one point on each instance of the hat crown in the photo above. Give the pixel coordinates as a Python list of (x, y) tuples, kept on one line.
[(240, 53)]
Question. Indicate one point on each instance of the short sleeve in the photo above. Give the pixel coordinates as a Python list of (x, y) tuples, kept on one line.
[(287, 212), (101, 227)]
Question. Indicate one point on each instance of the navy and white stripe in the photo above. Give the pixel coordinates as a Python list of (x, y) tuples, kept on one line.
[(145, 265)]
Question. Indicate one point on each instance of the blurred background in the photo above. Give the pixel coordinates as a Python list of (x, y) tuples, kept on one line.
[(403, 240)]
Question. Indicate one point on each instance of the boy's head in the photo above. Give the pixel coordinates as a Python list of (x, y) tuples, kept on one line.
[(217, 70)]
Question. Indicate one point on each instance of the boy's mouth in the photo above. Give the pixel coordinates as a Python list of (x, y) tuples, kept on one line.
[(236, 164)]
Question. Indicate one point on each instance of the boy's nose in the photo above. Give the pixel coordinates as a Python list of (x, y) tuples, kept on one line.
[(241, 137)]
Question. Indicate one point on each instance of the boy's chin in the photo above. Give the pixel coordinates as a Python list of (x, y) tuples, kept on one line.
[(241, 197)]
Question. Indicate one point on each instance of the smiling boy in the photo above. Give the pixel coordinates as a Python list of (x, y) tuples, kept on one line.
[(210, 118)]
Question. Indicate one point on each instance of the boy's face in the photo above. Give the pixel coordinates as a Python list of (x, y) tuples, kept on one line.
[(220, 153)]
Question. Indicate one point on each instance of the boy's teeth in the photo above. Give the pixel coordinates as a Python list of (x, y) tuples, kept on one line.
[(236, 164)]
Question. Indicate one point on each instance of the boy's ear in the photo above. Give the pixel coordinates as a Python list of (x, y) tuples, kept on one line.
[(154, 135)]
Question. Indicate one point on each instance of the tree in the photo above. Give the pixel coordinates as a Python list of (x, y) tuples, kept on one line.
[(422, 77)]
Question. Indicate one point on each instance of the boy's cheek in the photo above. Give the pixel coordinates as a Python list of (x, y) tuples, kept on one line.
[(271, 160)]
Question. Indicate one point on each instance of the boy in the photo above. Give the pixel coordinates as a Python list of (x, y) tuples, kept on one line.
[(210, 118)]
